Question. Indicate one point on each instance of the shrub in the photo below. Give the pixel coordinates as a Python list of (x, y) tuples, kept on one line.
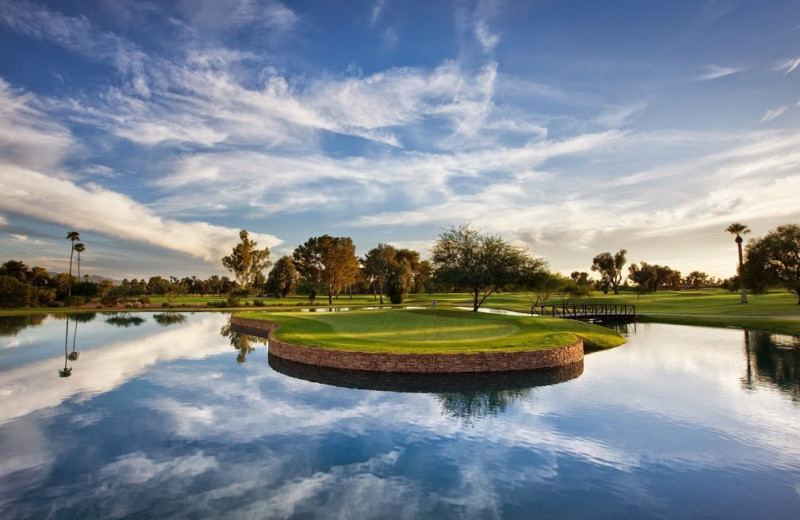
[(258, 303), (165, 305)]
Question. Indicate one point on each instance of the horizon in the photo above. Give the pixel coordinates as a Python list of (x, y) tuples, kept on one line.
[(158, 130)]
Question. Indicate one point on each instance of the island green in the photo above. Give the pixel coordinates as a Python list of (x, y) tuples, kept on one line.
[(425, 331)]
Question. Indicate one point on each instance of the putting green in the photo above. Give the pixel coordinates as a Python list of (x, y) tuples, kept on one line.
[(429, 332)]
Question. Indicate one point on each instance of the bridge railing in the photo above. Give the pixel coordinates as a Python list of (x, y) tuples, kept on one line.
[(588, 311)]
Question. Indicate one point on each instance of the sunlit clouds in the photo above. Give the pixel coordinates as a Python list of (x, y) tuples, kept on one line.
[(176, 125)]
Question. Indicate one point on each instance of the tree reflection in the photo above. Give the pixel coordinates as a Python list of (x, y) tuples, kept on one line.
[(773, 360), (12, 325), (463, 397), (469, 407), (166, 319), (67, 370), (125, 319), (241, 342)]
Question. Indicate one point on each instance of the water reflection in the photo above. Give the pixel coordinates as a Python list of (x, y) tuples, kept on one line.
[(773, 360), (125, 319), (465, 397), (241, 342), (12, 325), (166, 319), (67, 370)]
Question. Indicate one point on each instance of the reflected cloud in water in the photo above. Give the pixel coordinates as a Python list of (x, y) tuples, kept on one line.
[(466, 397), (659, 429)]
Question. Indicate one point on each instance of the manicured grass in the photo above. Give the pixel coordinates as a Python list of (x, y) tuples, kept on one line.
[(775, 312), (426, 331)]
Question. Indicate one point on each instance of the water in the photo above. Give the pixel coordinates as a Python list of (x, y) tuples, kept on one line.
[(163, 418)]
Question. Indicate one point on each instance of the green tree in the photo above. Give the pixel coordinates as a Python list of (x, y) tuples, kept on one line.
[(246, 260), (14, 293), (777, 254), (697, 279), (645, 276), (328, 260), (15, 269), (610, 268), (399, 280), (80, 248), (72, 236), (739, 230), (469, 261), (378, 263), (282, 279)]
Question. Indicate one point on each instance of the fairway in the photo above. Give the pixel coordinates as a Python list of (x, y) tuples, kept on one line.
[(426, 331)]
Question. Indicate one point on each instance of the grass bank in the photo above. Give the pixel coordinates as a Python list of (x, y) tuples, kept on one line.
[(428, 332)]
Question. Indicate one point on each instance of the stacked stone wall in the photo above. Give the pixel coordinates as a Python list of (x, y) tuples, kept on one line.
[(416, 363)]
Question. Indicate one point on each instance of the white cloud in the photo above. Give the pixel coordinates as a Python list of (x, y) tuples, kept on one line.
[(93, 208), (375, 13), (27, 136), (716, 72), (787, 66), (772, 113)]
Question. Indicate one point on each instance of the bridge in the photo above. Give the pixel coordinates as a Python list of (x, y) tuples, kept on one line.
[(585, 312)]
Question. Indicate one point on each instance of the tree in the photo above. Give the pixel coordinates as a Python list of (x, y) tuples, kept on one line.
[(610, 269), (72, 236), (14, 293), (739, 230), (399, 280), (328, 260), (15, 269), (378, 263), (479, 264), (777, 254), (645, 277), (246, 260), (697, 279), (283, 278), (580, 278), (80, 248)]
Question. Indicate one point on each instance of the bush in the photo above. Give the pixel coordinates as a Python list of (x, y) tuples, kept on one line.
[(258, 303), (165, 305), (14, 293), (217, 303), (234, 301)]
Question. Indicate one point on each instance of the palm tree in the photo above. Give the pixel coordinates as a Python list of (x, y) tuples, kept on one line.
[(739, 230), (72, 236), (80, 248)]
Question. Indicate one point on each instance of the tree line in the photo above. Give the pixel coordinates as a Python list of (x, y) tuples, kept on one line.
[(462, 260)]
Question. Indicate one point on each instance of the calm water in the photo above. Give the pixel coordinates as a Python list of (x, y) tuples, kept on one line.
[(171, 417)]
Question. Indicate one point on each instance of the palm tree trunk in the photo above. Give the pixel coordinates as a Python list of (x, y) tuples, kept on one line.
[(741, 271), (69, 285)]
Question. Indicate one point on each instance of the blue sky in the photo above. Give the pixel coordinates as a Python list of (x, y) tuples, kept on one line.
[(159, 129)]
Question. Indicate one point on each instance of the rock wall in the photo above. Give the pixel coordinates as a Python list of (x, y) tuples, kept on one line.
[(416, 363)]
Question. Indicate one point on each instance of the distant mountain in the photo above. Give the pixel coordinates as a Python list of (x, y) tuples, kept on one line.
[(97, 279)]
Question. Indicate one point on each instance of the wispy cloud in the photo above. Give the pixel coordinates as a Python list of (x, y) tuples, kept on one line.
[(787, 66), (33, 183), (772, 113), (376, 12), (716, 72)]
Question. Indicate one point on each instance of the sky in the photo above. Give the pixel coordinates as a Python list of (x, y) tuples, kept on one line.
[(158, 130)]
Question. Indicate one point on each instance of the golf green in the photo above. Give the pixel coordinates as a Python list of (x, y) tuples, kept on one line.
[(431, 332)]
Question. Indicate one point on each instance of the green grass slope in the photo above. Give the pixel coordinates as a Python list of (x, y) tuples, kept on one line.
[(427, 332)]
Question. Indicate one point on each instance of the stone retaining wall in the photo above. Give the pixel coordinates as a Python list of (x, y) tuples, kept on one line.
[(417, 363)]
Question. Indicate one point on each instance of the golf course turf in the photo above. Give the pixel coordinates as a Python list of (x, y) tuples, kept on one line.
[(404, 331)]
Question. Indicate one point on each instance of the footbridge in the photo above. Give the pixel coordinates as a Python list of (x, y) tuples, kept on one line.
[(587, 312)]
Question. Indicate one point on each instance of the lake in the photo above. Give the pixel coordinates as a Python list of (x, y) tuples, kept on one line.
[(171, 415)]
